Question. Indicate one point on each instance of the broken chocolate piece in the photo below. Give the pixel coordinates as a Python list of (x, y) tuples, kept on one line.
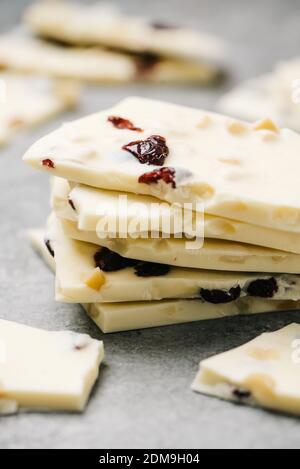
[(152, 151)]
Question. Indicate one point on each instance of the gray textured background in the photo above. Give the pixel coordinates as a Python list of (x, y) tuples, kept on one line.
[(143, 397)]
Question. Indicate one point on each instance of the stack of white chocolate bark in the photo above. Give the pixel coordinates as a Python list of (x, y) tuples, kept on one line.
[(97, 43), (152, 154)]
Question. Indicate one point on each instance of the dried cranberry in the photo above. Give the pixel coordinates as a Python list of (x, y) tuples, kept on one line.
[(121, 123), (241, 393), (71, 203), (145, 63), (110, 261), (153, 150), (49, 247), (49, 163), (151, 269), (263, 288), (164, 174), (220, 296)]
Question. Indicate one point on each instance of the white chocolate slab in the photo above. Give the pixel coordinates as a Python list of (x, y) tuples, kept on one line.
[(27, 101), (96, 208), (214, 255), (275, 95), (264, 372), (23, 53), (75, 265), (104, 24), (229, 172), (44, 370), (117, 317)]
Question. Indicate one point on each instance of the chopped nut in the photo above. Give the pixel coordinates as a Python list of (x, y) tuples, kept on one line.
[(263, 354), (236, 127), (204, 122), (96, 280), (266, 124)]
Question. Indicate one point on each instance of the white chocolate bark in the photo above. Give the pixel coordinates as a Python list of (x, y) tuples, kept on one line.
[(105, 25), (96, 208), (275, 95), (231, 169), (116, 317), (263, 372), (214, 255), (44, 370), (77, 281), (26, 54), (27, 101)]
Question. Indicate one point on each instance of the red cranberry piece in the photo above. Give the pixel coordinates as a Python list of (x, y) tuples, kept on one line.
[(164, 174), (220, 296), (151, 269), (263, 288), (152, 151), (121, 123), (49, 247), (49, 163), (110, 261)]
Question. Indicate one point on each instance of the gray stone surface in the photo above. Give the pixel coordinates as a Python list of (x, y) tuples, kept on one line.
[(143, 397)]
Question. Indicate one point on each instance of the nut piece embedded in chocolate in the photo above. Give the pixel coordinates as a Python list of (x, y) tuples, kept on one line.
[(164, 174), (151, 269), (220, 296), (263, 288), (152, 151), (121, 123), (110, 261)]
